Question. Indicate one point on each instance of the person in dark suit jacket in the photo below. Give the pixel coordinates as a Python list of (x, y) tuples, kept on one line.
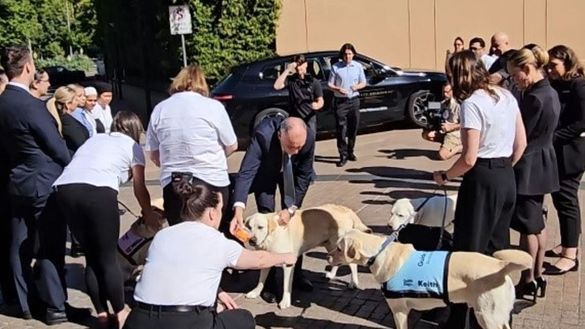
[(64, 102), (36, 155), (536, 172), (568, 79), (278, 146)]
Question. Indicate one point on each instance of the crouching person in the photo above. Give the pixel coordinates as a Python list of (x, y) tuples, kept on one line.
[(179, 285), (448, 134)]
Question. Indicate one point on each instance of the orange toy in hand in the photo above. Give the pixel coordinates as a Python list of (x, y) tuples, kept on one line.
[(243, 235)]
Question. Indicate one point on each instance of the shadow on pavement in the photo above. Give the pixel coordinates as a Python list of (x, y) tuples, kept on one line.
[(272, 320), (401, 154)]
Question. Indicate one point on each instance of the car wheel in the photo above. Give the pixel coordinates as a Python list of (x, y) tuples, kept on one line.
[(268, 113), (418, 105)]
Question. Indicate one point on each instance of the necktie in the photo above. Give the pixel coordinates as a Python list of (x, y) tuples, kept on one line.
[(288, 181)]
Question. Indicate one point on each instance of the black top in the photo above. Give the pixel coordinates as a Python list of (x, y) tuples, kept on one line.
[(74, 132), (302, 92), (263, 161), (536, 171), (500, 66), (568, 142), (99, 127), (31, 146)]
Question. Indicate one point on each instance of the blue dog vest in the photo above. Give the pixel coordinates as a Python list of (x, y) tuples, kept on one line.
[(423, 275)]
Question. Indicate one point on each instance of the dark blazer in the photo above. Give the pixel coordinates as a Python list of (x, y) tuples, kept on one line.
[(74, 132), (31, 143), (537, 172), (568, 143), (263, 161)]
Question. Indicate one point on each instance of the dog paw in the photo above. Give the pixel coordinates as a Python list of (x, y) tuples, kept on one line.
[(284, 303), (253, 294)]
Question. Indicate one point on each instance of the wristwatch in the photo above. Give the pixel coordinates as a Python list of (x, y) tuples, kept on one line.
[(292, 209), (444, 176)]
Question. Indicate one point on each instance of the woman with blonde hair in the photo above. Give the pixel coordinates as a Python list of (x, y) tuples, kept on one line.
[(568, 79), (189, 136), (61, 106), (536, 171), (493, 139)]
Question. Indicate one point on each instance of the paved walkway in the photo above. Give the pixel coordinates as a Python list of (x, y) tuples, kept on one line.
[(391, 165)]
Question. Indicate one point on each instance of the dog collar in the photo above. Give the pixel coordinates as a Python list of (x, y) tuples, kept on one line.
[(391, 238)]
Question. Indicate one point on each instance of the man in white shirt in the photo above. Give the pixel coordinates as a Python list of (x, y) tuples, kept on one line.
[(477, 45), (102, 110)]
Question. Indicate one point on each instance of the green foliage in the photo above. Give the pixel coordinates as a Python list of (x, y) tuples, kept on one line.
[(230, 32), (48, 25), (76, 62)]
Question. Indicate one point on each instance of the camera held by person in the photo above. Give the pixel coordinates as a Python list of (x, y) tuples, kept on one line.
[(443, 125)]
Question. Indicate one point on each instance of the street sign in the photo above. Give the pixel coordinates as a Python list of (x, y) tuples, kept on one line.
[(180, 19)]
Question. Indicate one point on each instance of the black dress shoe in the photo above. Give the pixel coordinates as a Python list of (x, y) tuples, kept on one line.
[(352, 157), (268, 297), (53, 317), (26, 315), (553, 270), (342, 162)]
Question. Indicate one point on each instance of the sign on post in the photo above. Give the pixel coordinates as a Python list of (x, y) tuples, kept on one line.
[(180, 21)]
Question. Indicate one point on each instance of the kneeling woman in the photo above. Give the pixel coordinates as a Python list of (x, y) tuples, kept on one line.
[(179, 285), (87, 192)]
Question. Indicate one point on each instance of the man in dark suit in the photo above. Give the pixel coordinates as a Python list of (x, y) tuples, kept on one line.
[(35, 154), (280, 154)]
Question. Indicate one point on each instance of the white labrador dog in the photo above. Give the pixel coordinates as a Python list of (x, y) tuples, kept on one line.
[(485, 285), (307, 229), (424, 211)]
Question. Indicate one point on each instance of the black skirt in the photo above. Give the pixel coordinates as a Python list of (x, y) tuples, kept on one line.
[(528, 216)]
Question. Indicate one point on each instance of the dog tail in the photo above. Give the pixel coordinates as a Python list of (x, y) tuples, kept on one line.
[(517, 260)]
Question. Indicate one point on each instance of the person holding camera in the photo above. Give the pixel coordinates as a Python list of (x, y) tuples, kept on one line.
[(448, 134), (304, 91)]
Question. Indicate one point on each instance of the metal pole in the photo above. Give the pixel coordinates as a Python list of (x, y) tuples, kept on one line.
[(184, 50)]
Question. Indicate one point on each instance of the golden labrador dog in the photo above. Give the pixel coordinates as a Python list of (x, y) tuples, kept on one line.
[(480, 281), (307, 229), (424, 211)]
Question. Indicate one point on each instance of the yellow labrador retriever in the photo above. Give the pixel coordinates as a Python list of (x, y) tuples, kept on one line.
[(480, 281), (309, 228)]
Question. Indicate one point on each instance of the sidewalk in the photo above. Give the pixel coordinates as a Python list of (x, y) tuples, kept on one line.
[(391, 165)]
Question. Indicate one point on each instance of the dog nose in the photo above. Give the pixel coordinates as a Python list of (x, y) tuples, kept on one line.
[(252, 242)]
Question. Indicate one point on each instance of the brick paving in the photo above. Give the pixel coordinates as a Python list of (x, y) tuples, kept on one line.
[(391, 165)]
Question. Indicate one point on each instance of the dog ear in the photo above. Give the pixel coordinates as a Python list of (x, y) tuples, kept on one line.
[(351, 249), (272, 223)]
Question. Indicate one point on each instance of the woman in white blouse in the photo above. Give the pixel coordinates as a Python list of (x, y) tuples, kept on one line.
[(190, 135), (87, 193), (179, 285)]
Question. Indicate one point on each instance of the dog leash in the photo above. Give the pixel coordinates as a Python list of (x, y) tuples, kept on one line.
[(440, 242), (391, 238), (127, 209)]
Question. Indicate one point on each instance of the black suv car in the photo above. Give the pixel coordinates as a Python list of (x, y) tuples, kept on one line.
[(391, 94)]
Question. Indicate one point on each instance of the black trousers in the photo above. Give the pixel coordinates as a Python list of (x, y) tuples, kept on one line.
[(93, 217), (173, 203), (205, 319), (6, 278), (485, 204), (38, 232), (566, 201), (347, 116)]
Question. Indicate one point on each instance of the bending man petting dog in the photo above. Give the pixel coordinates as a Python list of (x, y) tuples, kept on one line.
[(280, 153), (415, 280)]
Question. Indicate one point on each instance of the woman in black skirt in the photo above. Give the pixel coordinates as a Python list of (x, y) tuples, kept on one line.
[(536, 172), (568, 79), (493, 137)]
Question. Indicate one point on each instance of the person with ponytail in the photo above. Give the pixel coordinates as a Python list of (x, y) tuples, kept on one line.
[(179, 285), (63, 104), (536, 171), (87, 193)]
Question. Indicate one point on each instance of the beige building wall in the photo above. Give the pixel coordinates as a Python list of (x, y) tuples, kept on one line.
[(417, 33)]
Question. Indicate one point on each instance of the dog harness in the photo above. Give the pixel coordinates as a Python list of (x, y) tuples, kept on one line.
[(423, 275)]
